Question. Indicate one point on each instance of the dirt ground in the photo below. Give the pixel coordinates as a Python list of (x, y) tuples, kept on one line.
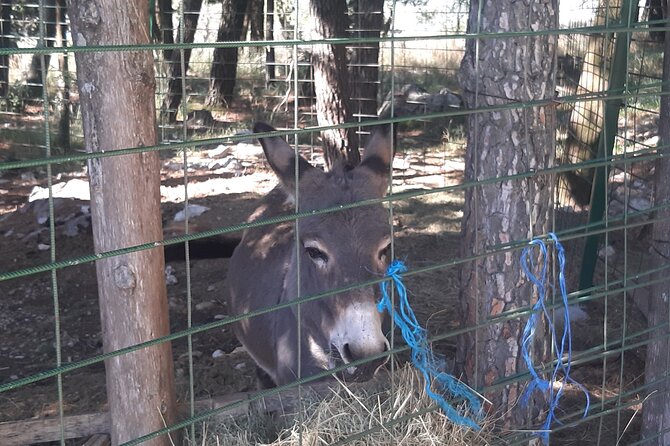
[(426, 233)]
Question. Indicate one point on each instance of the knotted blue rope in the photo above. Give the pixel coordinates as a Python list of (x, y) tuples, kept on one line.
[(422, 355), (564, 348)]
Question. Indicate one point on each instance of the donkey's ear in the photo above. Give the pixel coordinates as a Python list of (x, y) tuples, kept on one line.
[(281, 156), (378, 156)]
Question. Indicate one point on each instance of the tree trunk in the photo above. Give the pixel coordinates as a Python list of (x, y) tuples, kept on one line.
[(656, 10), (165, 12), (656, 410), (368, 19), (175, 93), (255, 20), (64, 118), (270, 73), (34, 77), (497, 71), (5, 42), (117, 100), (331, 82), (224, 63), (586, 119)]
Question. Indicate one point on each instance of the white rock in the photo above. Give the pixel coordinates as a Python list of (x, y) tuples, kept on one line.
[(219, 151), (608, 251), (192, 210), (217, 354), (204, 306), (74, 188)]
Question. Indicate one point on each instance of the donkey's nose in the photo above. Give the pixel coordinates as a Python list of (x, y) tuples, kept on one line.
[(361, 350)]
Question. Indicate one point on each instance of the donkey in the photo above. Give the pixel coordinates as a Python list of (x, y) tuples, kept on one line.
[(333, 250)]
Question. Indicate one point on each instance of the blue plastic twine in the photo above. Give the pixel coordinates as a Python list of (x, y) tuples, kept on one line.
[(422, 355), (564, 348)]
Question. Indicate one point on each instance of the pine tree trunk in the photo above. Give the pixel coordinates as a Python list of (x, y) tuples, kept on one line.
[(175, 93), (368, 19), (117, 103), (224, 63), (497, 71), (656, 410), (331, 82)]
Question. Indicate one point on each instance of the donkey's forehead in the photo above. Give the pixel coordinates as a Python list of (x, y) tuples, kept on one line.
[(337, 187)]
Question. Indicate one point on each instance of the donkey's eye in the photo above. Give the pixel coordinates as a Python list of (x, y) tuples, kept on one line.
[(385, 253), (317, 255)]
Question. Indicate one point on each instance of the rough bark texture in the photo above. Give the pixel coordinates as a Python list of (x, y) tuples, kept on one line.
[(224, 63), (656, 410), (175, 92), (367, 19), (498, 71), (331, 82), (117, 100), (587, 117)]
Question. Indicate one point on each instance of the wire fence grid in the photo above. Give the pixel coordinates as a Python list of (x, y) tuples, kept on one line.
[(51, 360)]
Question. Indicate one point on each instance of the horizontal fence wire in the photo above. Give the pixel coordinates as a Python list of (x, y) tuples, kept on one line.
[(632, 280)]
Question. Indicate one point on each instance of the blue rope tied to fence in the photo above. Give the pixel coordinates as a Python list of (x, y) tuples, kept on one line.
[(562, 349), (422, 354)]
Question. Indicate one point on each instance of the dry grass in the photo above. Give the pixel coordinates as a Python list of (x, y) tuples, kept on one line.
[(405, 416)]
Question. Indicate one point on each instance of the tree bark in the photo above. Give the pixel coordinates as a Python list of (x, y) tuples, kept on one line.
[(368, 19), (224, 63), (117, 100), (175, 92), (331, 82), (587, 117), (656, 410), (497, 71)]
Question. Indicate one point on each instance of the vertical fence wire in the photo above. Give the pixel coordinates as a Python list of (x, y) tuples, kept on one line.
[(611, 270)]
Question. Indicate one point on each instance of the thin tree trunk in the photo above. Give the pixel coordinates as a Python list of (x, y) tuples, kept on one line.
[(270, 73), (331, 82), (656, 410), (503, 71), (5, 42), (34, 77), (255, 20), (165, 12), (64, 118), (175, 93), (117, 100), (368, 19), (587, 117), (224, 63)]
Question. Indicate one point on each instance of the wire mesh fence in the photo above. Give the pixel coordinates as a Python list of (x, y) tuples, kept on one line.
[(220, 67)]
